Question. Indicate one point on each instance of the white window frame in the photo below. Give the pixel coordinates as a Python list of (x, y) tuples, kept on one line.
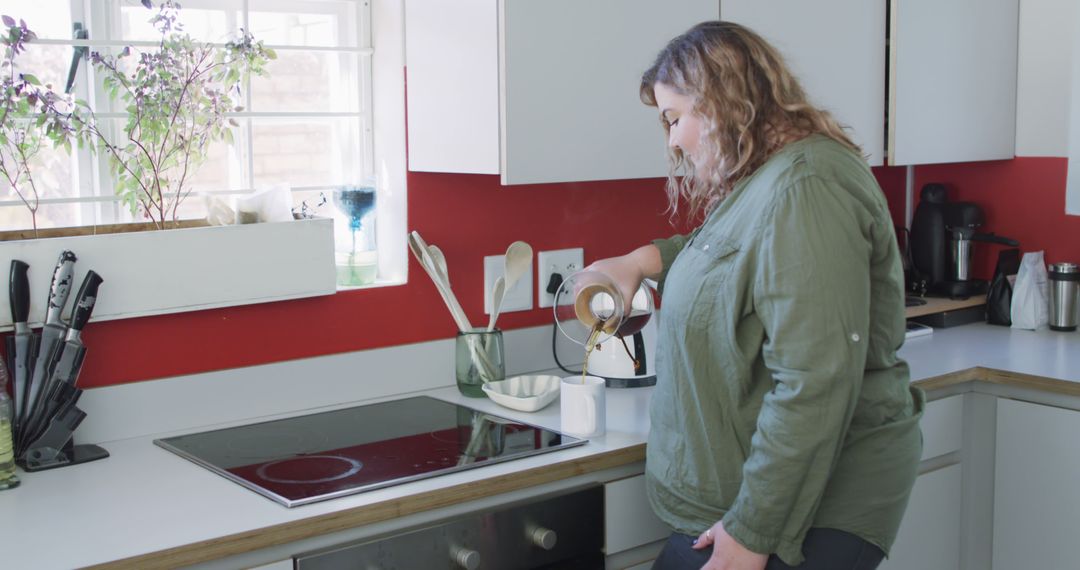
[(382, 95)]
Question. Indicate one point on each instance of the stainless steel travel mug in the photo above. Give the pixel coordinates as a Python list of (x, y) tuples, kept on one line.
[(1064, 290)]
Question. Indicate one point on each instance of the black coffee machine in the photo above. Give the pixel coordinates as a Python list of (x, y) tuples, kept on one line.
[(943, 236)]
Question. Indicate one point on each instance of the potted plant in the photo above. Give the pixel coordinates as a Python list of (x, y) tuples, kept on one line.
[(177, 97)]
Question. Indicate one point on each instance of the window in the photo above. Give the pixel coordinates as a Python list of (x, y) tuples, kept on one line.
[(307, 124)]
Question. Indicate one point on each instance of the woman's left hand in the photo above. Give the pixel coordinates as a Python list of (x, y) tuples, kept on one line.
[(728, 554)]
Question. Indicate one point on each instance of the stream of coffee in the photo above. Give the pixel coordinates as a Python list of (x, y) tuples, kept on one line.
[(589, 346)]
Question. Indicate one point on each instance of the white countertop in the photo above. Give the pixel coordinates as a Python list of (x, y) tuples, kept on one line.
[(1044, 352), (145, 499)]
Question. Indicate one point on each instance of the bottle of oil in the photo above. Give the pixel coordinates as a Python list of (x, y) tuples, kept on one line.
[(8, 479)]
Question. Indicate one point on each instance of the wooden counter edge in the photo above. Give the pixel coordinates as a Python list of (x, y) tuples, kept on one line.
[(1001, 377), (941, 305), (301, 529), (256, 539)]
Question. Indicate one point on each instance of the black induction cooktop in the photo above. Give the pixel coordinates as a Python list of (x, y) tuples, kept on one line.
[(305, 459)]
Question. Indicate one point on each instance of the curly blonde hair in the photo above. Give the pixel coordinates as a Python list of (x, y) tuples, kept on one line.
[(749, 102)]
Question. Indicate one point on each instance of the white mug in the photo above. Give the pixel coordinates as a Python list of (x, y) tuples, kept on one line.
[(582, 406)]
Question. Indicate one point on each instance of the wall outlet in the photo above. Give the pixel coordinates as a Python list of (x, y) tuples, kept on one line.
[(517, 298), (561, 261)]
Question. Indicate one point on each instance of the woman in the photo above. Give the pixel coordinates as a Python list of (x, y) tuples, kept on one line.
[(784, 432)]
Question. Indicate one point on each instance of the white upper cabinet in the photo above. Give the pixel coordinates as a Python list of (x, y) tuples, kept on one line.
[(452, 85), (952, 80), (538, 91), (837, 50)]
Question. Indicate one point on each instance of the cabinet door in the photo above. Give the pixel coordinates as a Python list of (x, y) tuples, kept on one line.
[(952, 80), (1035, 486), (570, 77), (929, 537), (628, 519), (452, 68), (837, 50)]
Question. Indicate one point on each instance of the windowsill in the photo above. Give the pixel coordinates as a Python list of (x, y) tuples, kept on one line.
[(379, 283)]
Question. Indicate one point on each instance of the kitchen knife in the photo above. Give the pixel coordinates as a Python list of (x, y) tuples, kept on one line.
[(22, 344), (52, 334), (66, 370)]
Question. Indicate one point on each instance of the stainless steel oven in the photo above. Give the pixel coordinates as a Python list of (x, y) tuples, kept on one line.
[(562, 531)]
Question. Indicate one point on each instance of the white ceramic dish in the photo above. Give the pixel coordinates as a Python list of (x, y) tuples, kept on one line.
[(527, 393)]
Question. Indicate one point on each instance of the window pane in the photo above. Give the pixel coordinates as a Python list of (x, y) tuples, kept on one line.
[(320, 23), (49, 63), (51, 171), (307, 152), (224, 167), (48, 216), (47, 18), (211, 22), (308, 81), (192, 208)]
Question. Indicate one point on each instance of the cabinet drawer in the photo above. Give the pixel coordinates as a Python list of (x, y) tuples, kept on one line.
[(628, 519), (943, 426)]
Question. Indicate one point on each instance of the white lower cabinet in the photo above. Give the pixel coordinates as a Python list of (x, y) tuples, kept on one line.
[(929, 537), (633, 535), (1035, 487)]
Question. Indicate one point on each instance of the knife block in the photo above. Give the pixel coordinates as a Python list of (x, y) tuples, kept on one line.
[(43, 458), (55, 447)]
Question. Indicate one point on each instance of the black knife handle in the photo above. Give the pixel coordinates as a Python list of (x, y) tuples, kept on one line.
[(19, 290), (84, 303)]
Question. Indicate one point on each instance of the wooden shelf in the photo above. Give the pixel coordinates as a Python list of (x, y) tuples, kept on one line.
[(942, 304)]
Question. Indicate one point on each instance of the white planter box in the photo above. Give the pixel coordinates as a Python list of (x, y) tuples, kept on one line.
[(156, 272)]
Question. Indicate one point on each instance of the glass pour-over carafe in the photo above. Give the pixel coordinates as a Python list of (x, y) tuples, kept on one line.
[(588, 300)]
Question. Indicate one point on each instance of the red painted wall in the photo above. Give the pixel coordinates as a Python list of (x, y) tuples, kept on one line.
[(470, 216)]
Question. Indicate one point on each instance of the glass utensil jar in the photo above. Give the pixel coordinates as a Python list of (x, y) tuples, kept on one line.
[(478, 358)]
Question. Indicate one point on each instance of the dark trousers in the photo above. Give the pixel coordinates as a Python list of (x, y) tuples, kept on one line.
[(824, 549)]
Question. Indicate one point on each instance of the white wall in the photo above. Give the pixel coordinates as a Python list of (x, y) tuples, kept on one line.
[(1047, 30)]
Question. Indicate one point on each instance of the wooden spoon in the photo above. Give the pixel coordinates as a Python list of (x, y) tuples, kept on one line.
[(498, 289), (517, 261)]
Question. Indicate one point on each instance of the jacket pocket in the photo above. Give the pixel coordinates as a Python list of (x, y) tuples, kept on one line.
[(713, 249), (716, 261)]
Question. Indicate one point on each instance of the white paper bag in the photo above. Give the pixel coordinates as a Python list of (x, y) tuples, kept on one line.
[(1029, 302)]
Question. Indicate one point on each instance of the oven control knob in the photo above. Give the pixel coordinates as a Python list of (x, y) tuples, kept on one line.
[(543, 537), (467, 559)]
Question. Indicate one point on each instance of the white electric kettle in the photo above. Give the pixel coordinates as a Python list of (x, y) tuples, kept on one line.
[(625, 352)]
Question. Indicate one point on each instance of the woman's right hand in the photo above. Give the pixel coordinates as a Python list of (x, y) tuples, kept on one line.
[(628, 271)]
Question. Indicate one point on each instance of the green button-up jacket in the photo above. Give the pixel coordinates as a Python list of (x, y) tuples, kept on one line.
[(781, 403)]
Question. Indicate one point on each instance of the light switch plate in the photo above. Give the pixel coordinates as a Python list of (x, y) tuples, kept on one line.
[(561, 261), (518, 298)]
